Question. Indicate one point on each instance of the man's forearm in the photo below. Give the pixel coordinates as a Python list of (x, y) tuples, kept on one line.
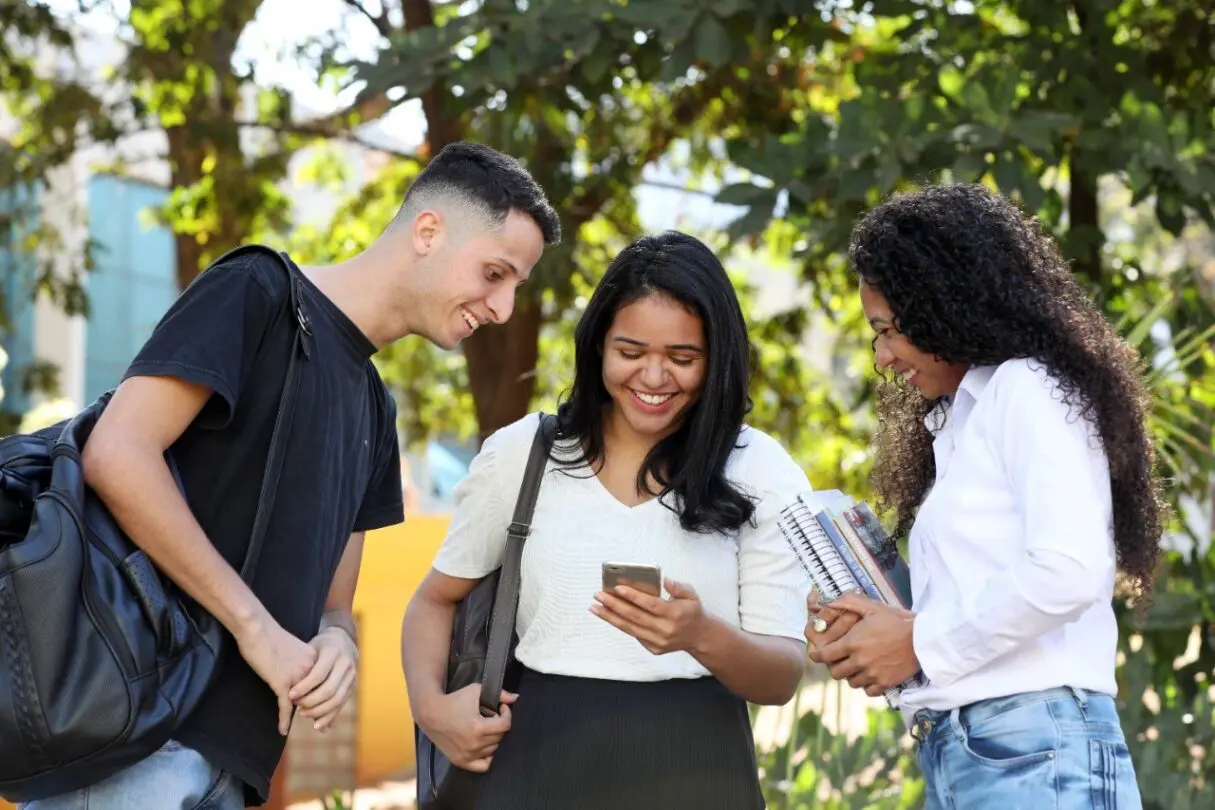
[(138, 489), (760, 669)]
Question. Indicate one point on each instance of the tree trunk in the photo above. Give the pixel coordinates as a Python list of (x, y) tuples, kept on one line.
[(185, 169), (502, 367), (501, 359), (1084, 237)]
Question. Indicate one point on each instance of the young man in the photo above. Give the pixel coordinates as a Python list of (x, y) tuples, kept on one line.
[(207, 385)]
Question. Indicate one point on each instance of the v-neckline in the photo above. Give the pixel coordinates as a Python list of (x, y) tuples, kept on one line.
[(602, 487)]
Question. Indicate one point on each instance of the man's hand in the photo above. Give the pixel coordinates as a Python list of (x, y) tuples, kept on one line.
[(322, 693), (661, 625), (877, 653), (280, 659), (454, 724)]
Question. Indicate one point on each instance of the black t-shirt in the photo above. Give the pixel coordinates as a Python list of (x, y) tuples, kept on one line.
[(232, 331)]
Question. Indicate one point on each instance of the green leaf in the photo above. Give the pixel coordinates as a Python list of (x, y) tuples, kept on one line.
[(752, 222), (744, 194), (713, 42), (597, 63), (969, 167), (889, 172), (676, 65), (1039, 129)]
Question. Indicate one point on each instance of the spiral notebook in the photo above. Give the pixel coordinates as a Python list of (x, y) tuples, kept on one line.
[(842, 547)]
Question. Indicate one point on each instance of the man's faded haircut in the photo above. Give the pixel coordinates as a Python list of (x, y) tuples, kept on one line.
[(475, 180)]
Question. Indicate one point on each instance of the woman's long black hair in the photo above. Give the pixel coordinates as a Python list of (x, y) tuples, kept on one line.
[(971, 280), (689, 465)]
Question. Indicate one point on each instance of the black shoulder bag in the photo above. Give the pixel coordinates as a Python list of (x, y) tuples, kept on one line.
[(101, 656), (483, 639)]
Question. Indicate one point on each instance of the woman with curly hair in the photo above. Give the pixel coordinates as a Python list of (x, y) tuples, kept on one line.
[(1012, 448)]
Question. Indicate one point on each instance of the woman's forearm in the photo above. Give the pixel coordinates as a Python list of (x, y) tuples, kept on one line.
[(760, 669)]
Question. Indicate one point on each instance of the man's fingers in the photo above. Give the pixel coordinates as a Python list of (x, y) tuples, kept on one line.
[(874, 690), (508, 697), (479, 765), (311, 703), (316, 676), (337, 685), (338, 694), (285, 709)]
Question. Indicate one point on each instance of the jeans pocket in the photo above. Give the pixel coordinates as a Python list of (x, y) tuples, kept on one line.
[(1006, 754), (1020, 737), (1112, 776)]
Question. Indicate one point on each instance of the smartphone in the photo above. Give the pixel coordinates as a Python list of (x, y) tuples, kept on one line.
[(642, 576)]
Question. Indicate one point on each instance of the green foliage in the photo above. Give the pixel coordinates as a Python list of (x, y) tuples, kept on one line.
[(818, 769), (588, 94), (1038, 98), (337, 800)]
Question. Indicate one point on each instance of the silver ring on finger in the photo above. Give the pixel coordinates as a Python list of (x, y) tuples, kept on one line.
[(820, 624)]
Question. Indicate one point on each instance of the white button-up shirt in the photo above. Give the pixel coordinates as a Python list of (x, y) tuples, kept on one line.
[(1012, 552)]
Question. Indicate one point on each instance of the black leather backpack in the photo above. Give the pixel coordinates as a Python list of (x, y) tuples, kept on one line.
[(101, 657)]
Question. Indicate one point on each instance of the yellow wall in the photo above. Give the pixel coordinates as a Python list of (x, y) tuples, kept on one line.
[(394, 562)]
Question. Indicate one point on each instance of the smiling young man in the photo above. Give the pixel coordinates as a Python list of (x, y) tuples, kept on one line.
[(206, 388)]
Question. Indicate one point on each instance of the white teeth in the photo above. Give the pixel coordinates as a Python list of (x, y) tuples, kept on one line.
[(470, 319), (653, 399), (908, 374)]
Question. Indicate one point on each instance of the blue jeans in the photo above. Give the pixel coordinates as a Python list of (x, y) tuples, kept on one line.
[(1060, 749), (173, 778)]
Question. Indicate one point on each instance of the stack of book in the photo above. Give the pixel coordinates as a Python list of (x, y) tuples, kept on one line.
[(843, 547)]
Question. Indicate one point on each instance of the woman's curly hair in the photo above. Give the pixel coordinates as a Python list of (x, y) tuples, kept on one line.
[(972, 281)]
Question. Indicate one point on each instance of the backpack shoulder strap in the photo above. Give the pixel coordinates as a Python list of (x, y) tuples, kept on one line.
[(300, 351)]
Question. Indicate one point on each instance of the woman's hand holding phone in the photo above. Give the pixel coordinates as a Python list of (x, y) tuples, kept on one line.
[(661, 625)]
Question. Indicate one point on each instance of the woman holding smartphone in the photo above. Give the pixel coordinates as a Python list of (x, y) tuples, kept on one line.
[(629, 699), (1012, 447)]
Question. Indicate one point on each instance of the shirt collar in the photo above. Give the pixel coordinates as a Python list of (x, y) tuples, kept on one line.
[(973, 384)]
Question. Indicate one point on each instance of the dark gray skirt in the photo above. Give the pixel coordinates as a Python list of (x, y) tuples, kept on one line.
[(588, 744)]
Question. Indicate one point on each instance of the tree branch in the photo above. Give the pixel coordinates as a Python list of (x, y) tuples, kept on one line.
[(380, 22), (689, 103), (342, 122), (309, 129), (676, 187)]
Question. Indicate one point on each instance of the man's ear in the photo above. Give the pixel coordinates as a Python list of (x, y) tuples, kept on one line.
[(427, 232)]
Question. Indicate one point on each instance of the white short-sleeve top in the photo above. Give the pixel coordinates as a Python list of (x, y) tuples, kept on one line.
[(749, 578)]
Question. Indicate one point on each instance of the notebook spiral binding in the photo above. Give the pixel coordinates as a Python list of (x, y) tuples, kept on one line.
[(824, 563)]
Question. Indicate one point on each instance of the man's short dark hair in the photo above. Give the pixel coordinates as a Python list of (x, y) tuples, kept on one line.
[(484, 181)]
